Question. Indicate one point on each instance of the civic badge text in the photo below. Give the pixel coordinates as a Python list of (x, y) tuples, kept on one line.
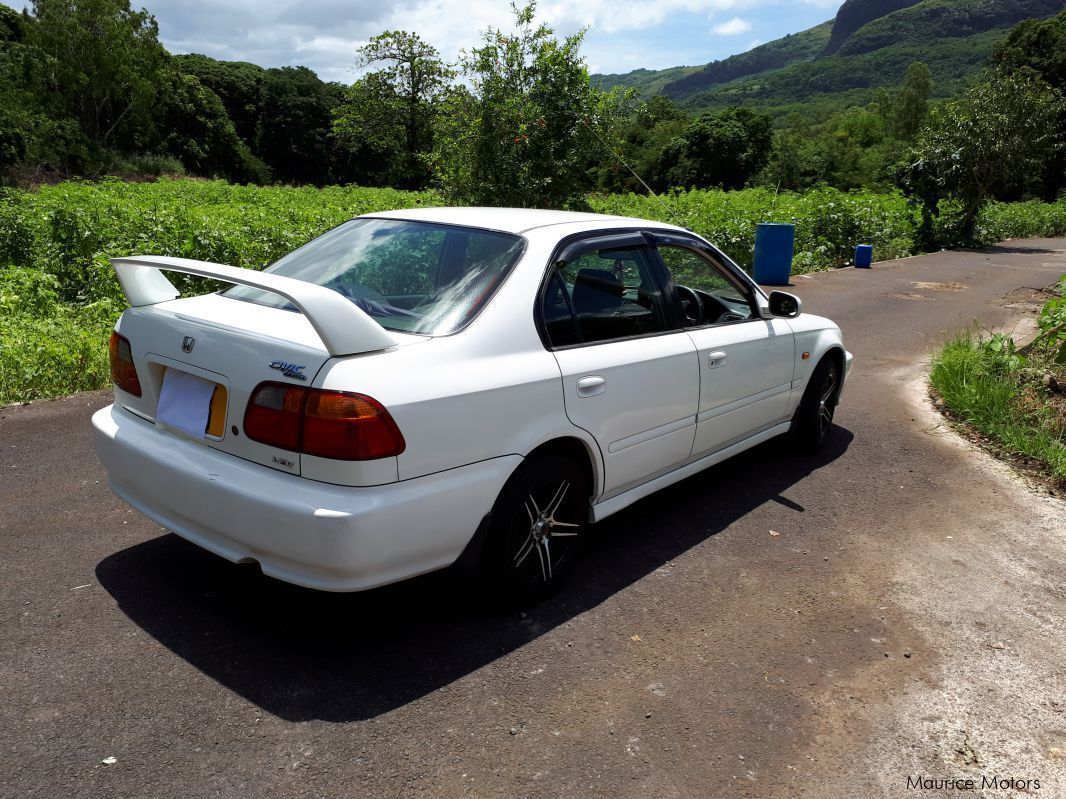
[(288, 369)]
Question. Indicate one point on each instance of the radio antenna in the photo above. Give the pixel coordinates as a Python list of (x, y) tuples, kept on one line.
[(633, 172)]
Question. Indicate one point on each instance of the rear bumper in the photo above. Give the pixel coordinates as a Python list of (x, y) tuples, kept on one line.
[(333, 538)]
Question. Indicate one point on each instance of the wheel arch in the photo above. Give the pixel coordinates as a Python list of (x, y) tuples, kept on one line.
[(583, 454)]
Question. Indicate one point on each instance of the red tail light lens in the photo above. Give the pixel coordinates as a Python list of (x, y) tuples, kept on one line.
[(274, 413), (350, 427), (327, 424), (123, 371)]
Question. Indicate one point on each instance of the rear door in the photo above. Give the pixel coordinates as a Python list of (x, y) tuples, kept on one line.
[(630, 375), (746, 363)]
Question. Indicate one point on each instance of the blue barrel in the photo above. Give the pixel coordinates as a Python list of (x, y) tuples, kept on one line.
[(864, 256), (773, 253)]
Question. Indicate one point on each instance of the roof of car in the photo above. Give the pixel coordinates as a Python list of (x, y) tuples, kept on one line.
[(511, 220)]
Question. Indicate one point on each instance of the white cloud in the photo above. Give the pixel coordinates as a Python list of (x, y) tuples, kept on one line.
[(733, 27), (325, 34)]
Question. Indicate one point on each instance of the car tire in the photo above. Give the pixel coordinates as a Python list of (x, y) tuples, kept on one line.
[(814, 419), (537, 530)]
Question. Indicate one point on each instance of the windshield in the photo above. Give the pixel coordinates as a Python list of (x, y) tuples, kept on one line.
[(412, 277)]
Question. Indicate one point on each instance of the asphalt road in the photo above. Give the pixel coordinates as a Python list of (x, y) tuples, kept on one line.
[(907, 619)]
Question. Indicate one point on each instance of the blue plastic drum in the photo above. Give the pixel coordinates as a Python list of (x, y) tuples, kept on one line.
[(773, 253), (864, 256)]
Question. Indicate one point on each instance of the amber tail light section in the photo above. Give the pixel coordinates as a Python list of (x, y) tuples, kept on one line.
[(350, 427), (123, 371), (327, 424)]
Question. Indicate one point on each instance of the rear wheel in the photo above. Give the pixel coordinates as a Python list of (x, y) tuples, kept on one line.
[(815, 416), (538, 528)]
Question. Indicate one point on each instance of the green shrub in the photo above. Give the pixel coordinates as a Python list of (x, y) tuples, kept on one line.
[(54, 355)]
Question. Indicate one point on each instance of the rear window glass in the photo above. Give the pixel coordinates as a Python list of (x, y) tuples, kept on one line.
[(412, 277)]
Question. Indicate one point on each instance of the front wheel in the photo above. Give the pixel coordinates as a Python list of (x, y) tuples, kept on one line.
[(538, 528), (814, 418)]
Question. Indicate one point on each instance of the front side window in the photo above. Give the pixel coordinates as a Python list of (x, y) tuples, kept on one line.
[(705, 294), (602, 294), (412, 277)]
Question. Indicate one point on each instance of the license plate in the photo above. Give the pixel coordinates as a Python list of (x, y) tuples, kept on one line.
[(191, 404)]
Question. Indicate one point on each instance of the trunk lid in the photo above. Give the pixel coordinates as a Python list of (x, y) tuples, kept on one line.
[(231, 344), (200, 359)]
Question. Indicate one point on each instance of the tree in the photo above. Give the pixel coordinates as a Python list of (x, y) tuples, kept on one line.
[(646, 129), (102, 63), (905, 110), (386, 119), (1039, 46), (724, 148), (992, 141), (531, 125), (201, 135), (293, 134), (238, 84)]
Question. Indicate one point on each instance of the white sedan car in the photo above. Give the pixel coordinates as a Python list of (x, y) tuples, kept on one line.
[(420, 387)]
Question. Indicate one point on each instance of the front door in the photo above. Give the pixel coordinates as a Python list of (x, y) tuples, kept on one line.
[(746, 362)]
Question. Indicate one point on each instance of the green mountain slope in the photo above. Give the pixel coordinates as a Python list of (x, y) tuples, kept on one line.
[(868, 45), (919, 23), (852, 80), (646, 81), (779, 53), (854, 14)]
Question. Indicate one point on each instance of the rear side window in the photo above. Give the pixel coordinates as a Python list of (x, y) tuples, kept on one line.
[(601, 295), (412, 277)]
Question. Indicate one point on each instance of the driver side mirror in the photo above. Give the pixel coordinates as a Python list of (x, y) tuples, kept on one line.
[(781, 303)]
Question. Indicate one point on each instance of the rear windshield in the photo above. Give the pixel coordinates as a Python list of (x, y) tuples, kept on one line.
[(412, 277)]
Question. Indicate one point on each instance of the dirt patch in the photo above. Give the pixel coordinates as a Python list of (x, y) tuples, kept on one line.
[(921, 284), (910, 296), (1028, 299)]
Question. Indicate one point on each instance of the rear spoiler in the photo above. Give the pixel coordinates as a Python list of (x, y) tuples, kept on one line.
[(343, 328)]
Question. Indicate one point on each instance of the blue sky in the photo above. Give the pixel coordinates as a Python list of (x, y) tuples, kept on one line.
[(622, 34)]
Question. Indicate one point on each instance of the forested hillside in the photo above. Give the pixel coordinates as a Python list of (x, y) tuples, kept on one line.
[(791, 49), (848, 59)]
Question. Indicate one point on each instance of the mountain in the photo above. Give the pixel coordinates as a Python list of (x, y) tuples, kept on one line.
[(867, 45), (855, 14)]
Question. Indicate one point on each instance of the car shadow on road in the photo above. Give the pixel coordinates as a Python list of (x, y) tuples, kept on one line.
[(302, 654)]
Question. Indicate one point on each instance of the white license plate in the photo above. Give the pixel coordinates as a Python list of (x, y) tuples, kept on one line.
[(185, 403)]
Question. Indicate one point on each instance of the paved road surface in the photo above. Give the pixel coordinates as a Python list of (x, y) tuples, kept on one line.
[(907, 621)]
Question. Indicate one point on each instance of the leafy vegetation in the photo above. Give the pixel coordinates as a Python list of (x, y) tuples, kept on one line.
[(59, 296), (1013, 396), (992, 142)]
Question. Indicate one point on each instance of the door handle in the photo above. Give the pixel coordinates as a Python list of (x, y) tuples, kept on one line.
[(591, 386), (716, 359)]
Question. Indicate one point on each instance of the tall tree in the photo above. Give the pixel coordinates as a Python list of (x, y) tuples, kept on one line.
[(238, 84), (724, 148), (103, 62), (293, 135), (530, 125), (1039, 46), (906, 109), (990, 142), (387, 117), (201, 135)]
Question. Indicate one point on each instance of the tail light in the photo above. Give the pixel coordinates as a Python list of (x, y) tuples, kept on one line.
[(327, 424), (123, 371)]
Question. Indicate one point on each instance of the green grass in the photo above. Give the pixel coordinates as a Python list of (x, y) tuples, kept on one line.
[(1000, 394)]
